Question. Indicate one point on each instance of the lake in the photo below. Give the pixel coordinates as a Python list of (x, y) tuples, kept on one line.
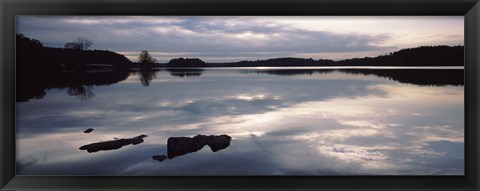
[(274, 121)]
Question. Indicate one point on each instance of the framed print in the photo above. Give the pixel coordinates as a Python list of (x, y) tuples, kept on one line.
[(268, 95)]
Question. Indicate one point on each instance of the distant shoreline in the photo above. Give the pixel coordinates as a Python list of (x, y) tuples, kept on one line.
[(33, 56), (313, 67)]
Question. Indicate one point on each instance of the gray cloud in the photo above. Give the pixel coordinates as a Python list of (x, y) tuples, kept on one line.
[(198, 36)]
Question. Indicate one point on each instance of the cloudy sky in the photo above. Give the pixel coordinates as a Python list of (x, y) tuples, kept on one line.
[(224, 39)]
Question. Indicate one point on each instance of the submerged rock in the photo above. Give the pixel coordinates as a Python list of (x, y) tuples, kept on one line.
[(177, 146), (159, 157), (88, 130), (112, 145)]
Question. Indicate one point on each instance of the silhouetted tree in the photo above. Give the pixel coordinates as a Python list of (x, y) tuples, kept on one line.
[(79, 44), (145, 58), (28, 53), (25, 41)]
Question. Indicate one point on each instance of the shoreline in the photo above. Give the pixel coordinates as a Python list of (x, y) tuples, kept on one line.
[(311, 67)]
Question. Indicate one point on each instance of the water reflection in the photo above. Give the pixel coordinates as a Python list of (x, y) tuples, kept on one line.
[(147, 75), (332, 123), (78, 83), (83, 92), (81, 84), (432, 77), (186, 72)]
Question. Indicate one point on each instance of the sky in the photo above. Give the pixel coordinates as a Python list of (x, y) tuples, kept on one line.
[(237, 38)]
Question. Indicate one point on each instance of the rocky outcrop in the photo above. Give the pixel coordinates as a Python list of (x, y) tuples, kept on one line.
[(178, 146), (112, 145)]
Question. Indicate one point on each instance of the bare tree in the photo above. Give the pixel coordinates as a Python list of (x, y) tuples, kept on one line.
[(85, 43), (79, 44), (72, 45)]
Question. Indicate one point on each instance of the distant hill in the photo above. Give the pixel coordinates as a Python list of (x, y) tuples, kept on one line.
[(69, 58), (279, 62), (32, 55), (420, 56)]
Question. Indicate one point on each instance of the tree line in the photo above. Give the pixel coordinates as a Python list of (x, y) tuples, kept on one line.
[(420, 56), (76, 55)]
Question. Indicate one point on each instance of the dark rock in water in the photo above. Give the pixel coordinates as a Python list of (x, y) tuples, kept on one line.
[(112, 145), (88, 130), (159, 157), (177, 146), (220, 142)]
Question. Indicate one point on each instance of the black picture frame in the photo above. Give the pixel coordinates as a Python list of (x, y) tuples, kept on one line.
[(470, 9)]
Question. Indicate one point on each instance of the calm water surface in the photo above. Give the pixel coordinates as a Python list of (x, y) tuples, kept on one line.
[(281, 121)]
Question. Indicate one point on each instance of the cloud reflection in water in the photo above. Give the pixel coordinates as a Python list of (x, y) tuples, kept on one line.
[(320, 124)]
